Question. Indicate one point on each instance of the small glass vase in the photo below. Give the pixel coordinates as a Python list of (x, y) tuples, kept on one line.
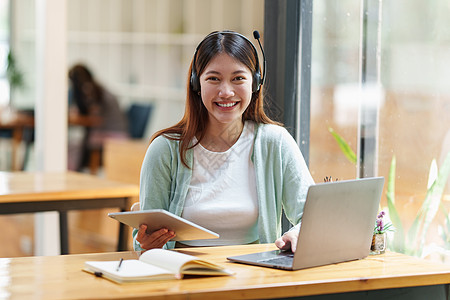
[(378, 243)]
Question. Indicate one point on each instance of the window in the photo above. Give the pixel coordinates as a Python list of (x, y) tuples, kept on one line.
[(408, 50)]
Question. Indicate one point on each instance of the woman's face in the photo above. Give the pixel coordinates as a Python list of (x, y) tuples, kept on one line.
[(226, 89)]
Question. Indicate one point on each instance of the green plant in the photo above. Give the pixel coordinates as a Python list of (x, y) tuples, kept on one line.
[(345, 148), (414, 241), (14, 75), (444, 231), (399, 235)]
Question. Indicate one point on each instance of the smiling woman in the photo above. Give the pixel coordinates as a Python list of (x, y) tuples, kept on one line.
[(226, 94), (226, 165)]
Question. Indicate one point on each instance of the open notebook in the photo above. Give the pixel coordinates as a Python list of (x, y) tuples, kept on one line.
[(154, 264)]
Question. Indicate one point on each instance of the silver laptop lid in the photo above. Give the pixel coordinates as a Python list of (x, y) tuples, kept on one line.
[(343, 232)]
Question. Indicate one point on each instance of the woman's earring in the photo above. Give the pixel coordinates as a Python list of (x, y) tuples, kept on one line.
[(198, 93)]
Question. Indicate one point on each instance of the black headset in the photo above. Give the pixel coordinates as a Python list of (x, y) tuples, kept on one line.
[(257, 79)]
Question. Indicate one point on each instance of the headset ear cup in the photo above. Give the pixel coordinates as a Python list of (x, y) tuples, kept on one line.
[(256, 82), (195, 84)]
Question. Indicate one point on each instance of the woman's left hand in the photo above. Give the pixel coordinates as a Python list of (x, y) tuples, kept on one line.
[(288, 241)]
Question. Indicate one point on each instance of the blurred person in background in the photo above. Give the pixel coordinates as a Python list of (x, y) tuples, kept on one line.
[(95, 108)]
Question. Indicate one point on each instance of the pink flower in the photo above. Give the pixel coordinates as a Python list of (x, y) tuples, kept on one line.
[(380, 226)]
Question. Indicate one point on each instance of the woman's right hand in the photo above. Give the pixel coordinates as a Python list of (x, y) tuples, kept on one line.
[(155, 239)]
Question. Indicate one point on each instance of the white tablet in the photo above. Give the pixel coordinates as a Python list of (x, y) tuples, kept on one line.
[(160, 218)]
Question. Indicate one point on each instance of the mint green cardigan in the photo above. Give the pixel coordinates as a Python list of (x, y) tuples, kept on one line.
[(282, 179)]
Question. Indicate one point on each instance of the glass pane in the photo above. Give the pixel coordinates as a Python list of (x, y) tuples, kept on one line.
[(414, 122), (334, 86)]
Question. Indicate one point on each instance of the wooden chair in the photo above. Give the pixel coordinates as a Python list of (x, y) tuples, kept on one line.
[(138, 116)]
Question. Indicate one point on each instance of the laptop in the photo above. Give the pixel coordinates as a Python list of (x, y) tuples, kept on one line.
[(337, 226)]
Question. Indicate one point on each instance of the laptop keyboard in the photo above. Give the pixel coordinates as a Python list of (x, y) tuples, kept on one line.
[(282, 260)]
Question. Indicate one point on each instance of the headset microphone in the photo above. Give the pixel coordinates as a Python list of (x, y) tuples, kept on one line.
[(257, 37)]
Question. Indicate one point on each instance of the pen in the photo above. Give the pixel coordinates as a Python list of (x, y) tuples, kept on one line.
[(120, 263)]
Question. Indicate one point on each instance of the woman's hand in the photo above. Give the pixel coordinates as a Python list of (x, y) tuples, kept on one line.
[(288, 241), (155, 239)]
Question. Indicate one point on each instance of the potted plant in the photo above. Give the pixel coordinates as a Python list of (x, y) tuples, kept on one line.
[(379, 234)]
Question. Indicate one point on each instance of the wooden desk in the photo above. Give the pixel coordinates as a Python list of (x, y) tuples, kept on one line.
[(19, 121), (60, 277), (22, 192)]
